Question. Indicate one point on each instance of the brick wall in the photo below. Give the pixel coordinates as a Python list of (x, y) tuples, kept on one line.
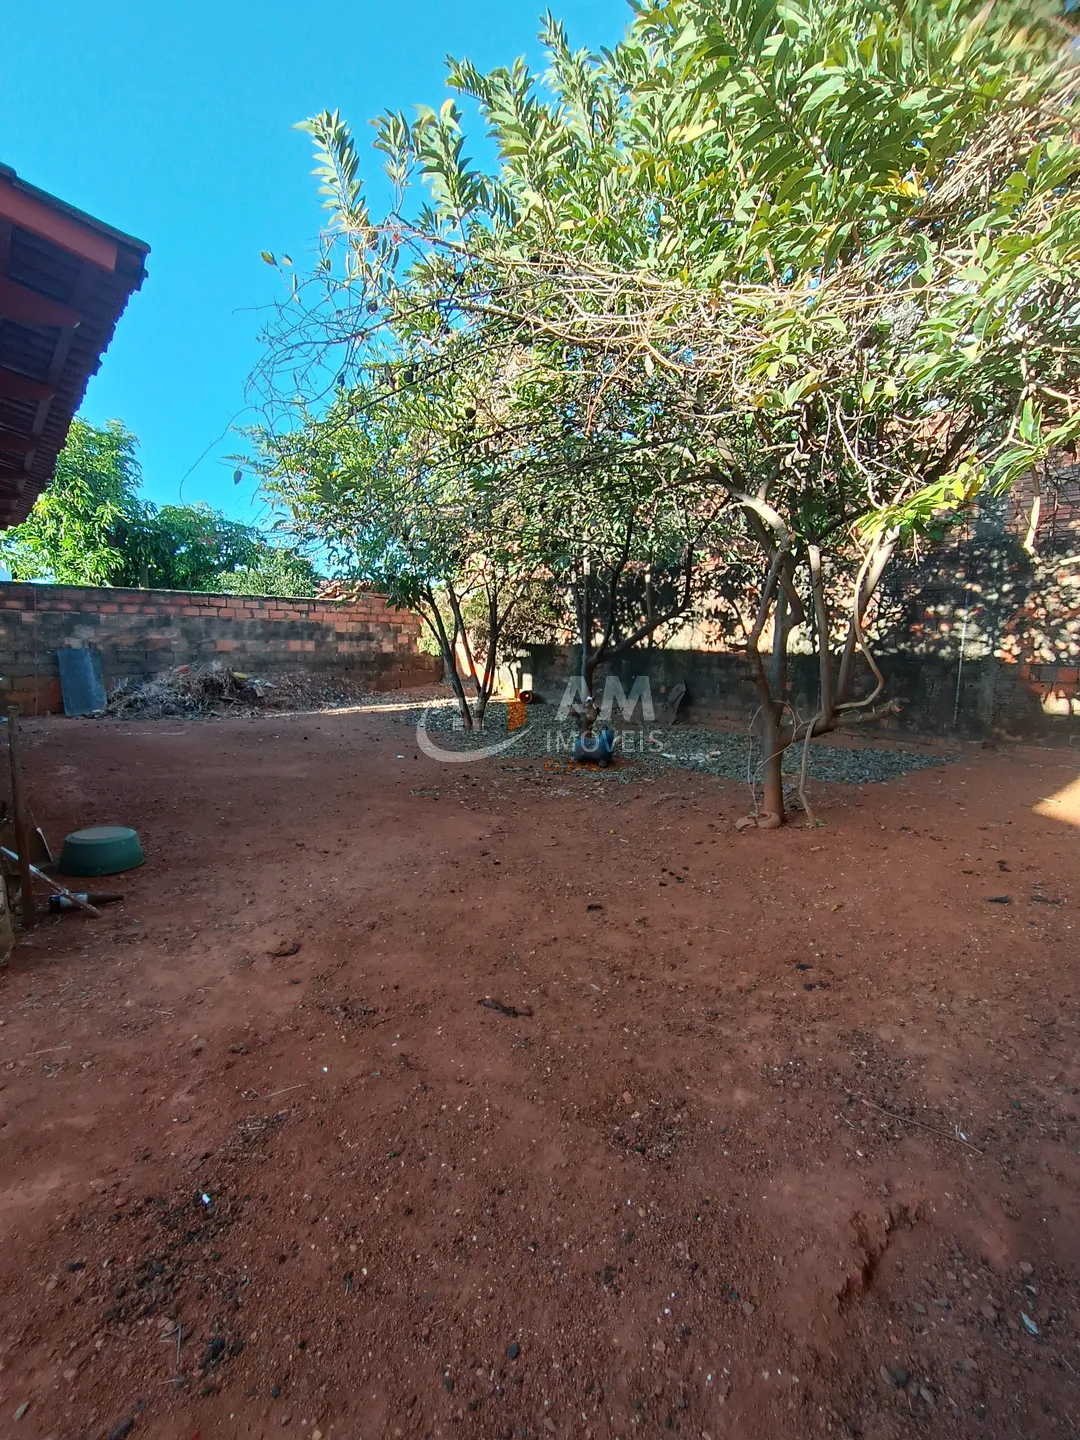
[(977, 638), (142, 632)]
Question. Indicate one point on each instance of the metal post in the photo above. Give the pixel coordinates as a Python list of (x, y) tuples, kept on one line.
[(22, 821)]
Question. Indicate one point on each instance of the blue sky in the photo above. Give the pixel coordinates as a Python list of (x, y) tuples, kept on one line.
[(174, 122)]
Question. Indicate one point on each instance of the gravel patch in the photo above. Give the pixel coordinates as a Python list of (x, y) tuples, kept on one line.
[(726, 756)]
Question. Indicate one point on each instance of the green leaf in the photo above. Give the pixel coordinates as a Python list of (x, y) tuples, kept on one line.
[(834, 85)]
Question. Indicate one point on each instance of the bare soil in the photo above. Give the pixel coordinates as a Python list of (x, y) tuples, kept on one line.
[(782, 1140)]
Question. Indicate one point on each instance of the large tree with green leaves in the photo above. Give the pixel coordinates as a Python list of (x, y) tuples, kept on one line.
[(382, 484), (71, 533), (458, 486), (92, 526), (273, 570), (841, 243)]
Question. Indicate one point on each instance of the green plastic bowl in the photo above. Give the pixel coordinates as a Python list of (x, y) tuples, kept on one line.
[(102, 850)]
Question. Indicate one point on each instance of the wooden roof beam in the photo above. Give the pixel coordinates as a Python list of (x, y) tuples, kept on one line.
[(62, 229), (16, 444), (28, 307), (84, 289), (15, 386)]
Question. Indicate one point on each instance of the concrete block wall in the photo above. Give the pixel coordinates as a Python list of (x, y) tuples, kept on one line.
[(984, 698), (982, 604), (140, 633)]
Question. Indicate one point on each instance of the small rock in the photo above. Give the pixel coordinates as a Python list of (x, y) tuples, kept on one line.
[(448, 1384), (549, 1424), (900, 1376), (927, 1395), (748, 1307), (21, 1411), (513, 1351), (628, 1099), (1029, 1324), (1026, 1268), (886, 1376), (238, 1049), (215, 1352), (988, 1312), (275, 1393), (919, 1309), (198, 1045), (316, 1434), (123, 1430)]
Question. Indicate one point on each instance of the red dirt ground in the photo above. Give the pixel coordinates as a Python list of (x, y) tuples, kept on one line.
[(670, 1199)]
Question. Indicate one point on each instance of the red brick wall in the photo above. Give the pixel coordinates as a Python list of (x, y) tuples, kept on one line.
[(142, 632)]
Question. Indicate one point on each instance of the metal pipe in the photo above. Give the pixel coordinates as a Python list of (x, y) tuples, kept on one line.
[(53, 885)]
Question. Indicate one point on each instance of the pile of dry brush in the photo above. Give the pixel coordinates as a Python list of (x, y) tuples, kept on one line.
[(215, 689)]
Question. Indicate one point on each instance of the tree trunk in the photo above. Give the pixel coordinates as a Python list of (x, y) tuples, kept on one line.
[(460, 633), (771, 683), (449, 654), (485, 686), (772, 778), (588, 663), (450, 661)]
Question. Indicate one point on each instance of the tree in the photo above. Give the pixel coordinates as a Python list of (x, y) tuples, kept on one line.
[(70, 535), (186, 547), (459, 485), (375, 483), (619, 537), (274, 570), (848, 239), (91, 526)]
